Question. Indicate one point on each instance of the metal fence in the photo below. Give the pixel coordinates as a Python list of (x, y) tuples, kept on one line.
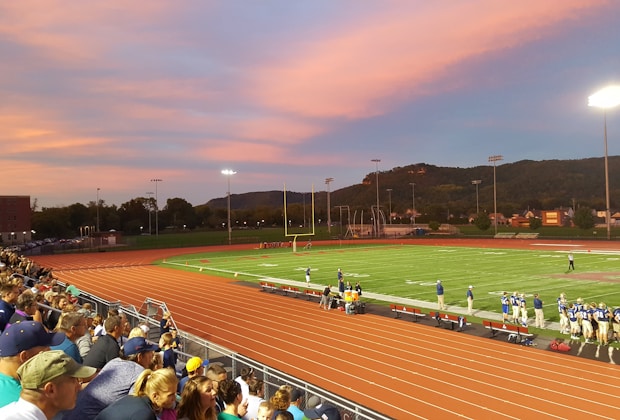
[(150, 313)]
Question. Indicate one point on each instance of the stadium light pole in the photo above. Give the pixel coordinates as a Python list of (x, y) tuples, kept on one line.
[(376, 161), (156, 181), (605, 98), (495, 158), (329, 208), (389, 190), (413, 201), (229, 173), (98, 209), (149, 194), (477, 182)]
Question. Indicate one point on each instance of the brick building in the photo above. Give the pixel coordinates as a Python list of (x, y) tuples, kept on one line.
[(15, 219)]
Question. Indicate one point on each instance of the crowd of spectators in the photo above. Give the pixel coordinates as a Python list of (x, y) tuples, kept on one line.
[(61, 360)]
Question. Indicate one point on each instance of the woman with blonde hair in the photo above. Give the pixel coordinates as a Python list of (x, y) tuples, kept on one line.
[(154, 391), (197, 400), (281, 399)]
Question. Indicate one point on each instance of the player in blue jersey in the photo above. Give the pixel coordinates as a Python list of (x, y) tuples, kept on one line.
[(585, 315), (616, 323), (514, 302), (603, 315), (505, 305), (574, 321)]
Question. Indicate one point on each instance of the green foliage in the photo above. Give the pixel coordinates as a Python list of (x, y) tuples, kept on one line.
[(583, 218), (535, 223), (482, 221), (434, 226)]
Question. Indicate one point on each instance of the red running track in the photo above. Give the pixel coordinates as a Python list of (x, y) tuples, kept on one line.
[(399, 368)]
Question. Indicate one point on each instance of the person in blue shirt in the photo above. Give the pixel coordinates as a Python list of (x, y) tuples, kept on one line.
[(470, 300), (539, 316), (440, 298), (8, 296), (73, 325)]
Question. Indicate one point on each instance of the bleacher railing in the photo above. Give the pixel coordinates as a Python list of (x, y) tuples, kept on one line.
[(150, 313)]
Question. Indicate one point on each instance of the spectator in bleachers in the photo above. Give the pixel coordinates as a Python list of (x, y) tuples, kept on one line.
[(284, 415), (154, 391), (197, 400), (9, 292), (245, 374), (281, 399), (265, 411), (170, 357), (25, 308), (50, 384), (53, 315), (176, 341), (19, 343), (296, 404), (97, 327), (257, 393), (73, 325), (230, 392), (85, 342), (194, 368), (322, 411), (106, 347), (136, 332), (115, 380), (217, 374), (72, 293), (165, 324)]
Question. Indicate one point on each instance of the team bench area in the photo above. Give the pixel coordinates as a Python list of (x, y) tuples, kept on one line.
[(400, 309), (452, 320), (517, 330)]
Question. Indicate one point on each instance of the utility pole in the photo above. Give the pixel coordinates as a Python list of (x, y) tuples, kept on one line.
[(494, 159), (156, 181), (329, 208)]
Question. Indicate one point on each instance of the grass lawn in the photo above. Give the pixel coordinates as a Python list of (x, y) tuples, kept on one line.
[(412, 271)]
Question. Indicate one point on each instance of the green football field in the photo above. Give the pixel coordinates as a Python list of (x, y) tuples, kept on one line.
[(412, 271)]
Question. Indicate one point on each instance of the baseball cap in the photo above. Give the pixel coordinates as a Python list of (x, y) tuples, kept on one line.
[(438, 281), (49, 365), (26, 335), (471, 287), (323, 411), (137, 345), (193, 364)]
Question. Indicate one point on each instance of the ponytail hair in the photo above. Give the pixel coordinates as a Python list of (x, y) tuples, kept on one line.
[(151, 381)]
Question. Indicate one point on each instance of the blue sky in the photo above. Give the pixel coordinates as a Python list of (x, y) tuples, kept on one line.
[(113, 94)]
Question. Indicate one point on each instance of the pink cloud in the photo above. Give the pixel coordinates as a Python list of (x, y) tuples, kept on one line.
[(352, 69)]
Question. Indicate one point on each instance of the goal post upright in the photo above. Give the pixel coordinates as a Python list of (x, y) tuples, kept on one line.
[(286, 224)]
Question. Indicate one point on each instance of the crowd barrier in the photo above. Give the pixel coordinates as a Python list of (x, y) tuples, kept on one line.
[(150, 312)]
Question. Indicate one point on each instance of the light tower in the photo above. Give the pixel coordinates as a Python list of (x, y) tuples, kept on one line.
[(329, 208)]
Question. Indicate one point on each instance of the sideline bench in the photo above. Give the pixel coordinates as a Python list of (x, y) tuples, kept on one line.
[(505, 235), (400, 309), (527, 236), (518, 330), (268, 286), (458, 320), (290, 289), (313, 293)]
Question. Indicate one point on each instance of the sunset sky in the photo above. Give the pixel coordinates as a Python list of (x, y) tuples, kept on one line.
[(111, 94)]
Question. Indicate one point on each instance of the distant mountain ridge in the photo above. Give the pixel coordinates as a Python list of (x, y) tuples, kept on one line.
[(524, 184)]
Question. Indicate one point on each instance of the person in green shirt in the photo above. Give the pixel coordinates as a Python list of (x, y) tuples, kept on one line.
[(20, 342), (230, 393)]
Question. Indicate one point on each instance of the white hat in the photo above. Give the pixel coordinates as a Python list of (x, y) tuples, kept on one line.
[(471, 287), (438, 281)]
